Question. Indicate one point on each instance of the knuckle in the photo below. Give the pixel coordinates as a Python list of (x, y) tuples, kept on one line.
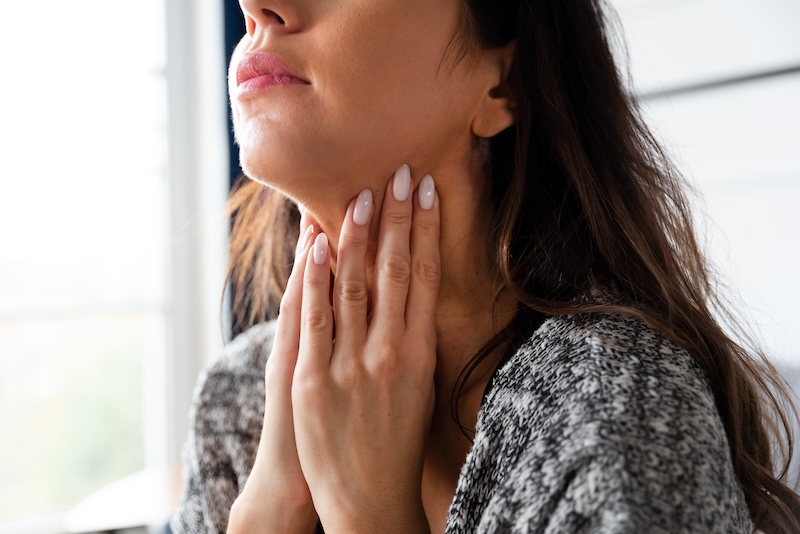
[(425, 225), (317, 321), (350, 377), (307, 388), (385, 364), (396, 217), (383, 355), (352, 240), (276, 376), (317, 282), (352, 291), (286, 307), (396, 269), (428, 271)]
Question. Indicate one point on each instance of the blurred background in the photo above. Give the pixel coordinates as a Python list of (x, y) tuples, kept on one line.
[(115, 162)]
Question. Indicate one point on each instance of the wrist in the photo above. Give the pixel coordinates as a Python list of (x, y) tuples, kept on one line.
[(274, 516), (400, 520)]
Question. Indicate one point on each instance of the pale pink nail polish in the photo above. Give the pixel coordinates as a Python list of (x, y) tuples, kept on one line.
[(401, 185), (321, 249), (363, 207), (427, 192)]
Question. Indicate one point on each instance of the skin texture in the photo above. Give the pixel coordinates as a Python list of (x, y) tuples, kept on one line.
[(363, 427), (355, 400)]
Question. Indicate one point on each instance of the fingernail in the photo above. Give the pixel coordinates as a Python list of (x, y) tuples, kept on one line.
[(402, 183), (427, 192), (363, 207), (321, 249)]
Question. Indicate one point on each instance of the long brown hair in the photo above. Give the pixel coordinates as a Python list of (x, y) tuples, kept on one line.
[(584, 198)]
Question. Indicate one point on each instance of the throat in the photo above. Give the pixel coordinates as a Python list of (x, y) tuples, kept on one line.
[(439, 481), (462, 331), (446, 453)]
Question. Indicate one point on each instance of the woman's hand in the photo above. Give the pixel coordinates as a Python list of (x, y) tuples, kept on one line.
[(363, 390), (276, 498)]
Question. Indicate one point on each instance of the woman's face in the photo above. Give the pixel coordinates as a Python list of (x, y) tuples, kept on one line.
[(382, 88)]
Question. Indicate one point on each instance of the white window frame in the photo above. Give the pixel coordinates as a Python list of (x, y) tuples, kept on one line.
[(199, 183)]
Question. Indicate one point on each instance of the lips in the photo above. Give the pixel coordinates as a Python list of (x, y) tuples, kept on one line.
[(258, 70)]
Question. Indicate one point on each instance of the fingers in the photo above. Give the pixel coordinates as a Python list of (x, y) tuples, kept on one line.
[(306, 220), (350, 286), (423, 292), (407, 274), (284, 350), (316, 332), (393, 260)]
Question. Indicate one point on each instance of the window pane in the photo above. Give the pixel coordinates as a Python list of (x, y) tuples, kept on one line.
[(83, 246), (739, 147), (71, 406), (83, 199), (108, 35)]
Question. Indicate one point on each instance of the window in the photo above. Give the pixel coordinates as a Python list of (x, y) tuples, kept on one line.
[(112, 183)]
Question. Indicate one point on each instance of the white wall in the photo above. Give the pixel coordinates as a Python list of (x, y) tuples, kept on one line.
[(737, 142)]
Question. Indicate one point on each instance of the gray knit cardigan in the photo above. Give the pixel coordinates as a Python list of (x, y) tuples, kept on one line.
[(596, 424)]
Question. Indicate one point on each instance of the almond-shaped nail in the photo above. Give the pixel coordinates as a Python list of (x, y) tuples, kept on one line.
[(401, 186), (363, 207), (321, 249), (427, 192)]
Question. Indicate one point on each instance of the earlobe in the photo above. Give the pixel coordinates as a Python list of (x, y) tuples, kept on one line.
[(497, 115), (496, 110)]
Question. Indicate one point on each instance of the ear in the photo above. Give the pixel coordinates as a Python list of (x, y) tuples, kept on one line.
[(495, 110)]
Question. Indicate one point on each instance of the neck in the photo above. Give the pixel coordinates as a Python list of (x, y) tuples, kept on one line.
[(468, 314)]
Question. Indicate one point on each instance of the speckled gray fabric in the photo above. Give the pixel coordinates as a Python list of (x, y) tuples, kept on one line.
[(224, 430), (599, 424), (596, 424)]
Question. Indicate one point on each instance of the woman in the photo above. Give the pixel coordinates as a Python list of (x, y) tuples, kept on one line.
[(514, 333)]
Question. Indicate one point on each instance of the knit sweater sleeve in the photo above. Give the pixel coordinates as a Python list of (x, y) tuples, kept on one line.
[(599, 424), (225, 425)]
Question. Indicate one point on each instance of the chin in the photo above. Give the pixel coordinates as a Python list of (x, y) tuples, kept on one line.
[(275, 164), (308, 167), (301, 180)]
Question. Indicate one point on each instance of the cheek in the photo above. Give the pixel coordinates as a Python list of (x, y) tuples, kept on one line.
[(394, 99), (371, 108)]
